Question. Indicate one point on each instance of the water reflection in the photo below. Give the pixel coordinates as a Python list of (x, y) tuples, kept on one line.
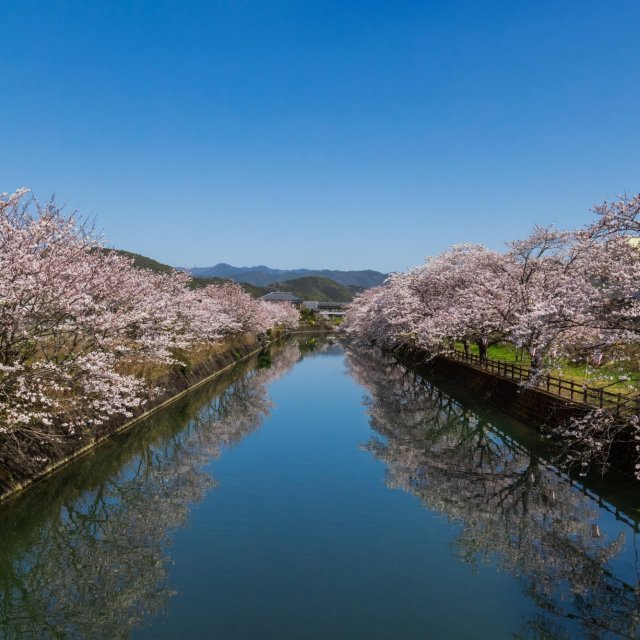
[(513, 509), (86, 553)]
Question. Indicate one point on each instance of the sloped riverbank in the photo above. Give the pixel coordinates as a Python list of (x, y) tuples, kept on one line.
[(178, 381)]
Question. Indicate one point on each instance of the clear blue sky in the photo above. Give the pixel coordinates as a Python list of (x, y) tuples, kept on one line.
[(320, 134)]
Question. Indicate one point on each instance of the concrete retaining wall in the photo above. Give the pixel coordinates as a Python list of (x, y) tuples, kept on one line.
[(531, 405)]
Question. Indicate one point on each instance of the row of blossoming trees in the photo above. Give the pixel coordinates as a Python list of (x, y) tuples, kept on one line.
[(84, 335), (556, 294)]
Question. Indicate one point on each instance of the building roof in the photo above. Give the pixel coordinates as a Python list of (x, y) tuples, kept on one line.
[(281, 296), (325, 307)]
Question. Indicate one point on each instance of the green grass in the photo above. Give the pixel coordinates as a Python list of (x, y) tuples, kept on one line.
[(607, 376)]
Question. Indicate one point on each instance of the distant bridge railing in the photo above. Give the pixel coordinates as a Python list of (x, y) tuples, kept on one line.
[(574, 391)]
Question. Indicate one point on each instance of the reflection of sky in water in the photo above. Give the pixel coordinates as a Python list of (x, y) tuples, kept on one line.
[(302, 537)]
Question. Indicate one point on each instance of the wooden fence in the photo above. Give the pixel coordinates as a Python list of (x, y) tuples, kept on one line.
[(574, 391)]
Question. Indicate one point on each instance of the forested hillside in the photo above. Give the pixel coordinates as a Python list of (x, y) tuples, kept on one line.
[(308, 288), (316, 288), (262, 275)]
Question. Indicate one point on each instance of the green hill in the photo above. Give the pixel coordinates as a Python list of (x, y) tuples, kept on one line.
[(314, 288), (142, 262)]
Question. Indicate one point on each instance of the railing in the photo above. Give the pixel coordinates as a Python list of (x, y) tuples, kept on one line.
[(569, 389)]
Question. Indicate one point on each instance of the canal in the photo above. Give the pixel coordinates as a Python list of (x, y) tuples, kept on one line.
[(321, 492)]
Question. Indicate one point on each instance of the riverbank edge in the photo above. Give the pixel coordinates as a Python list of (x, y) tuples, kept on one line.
[(533, 406), (175, 387)]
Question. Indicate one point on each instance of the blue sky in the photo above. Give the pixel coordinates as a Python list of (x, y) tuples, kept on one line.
[(320, 134)]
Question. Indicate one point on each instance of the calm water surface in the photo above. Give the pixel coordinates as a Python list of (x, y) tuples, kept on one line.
[(320, 493)]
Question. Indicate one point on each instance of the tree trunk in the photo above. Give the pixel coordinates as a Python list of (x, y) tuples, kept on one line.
[(482, 348), (535, 362)]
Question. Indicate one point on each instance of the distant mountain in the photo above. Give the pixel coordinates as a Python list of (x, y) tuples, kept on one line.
[(256, 292), (142, 262), (256, 278), (260, 282), (263, 275), (224, 270)]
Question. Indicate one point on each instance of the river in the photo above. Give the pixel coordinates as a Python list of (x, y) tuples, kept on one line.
[(321, 492)]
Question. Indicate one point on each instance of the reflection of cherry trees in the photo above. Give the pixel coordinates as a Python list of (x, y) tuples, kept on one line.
[(320, 345), (511, 505), (93, 563)]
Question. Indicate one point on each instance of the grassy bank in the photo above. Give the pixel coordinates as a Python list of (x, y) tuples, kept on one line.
[(617, 375)]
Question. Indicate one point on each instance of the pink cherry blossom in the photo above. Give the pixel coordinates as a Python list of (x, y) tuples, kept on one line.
[(75, 316)]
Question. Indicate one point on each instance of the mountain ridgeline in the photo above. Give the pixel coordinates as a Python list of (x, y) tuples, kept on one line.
[(307, 287), (262, 275)]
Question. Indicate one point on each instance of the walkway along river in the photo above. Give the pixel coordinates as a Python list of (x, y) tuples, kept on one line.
[(320, 493)]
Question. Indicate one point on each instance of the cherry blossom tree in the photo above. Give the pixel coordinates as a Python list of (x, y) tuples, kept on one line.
[(556, 294), (618, 218), (80, 325)]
